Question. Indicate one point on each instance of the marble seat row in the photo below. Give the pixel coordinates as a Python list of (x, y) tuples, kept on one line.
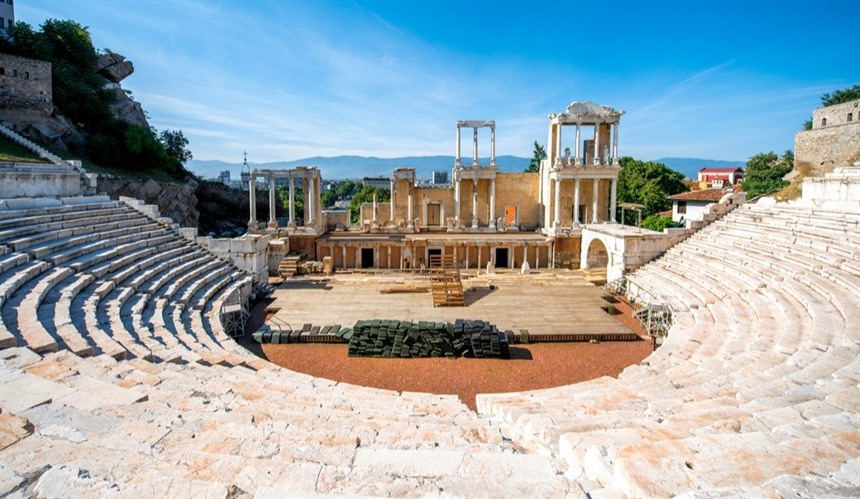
[(762, 356), (98, 277)]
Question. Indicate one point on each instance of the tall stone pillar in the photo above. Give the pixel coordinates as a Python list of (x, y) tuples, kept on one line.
[(576, 203), (594, 204), (273, 222), (374, 222), (457, 160), (577, 160), (613, 200), (615, 145), (456, 202), (493, 203), (597, 159), (252, 201), (292, 223), (343, 248), (493, 145), (475, 202), (556, 221), (391, 222), (311, 202), (558, 143), (409, 223), (475, 146), (389, 257)]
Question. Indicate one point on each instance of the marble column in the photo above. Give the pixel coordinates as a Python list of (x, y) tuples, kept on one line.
[(391, 223), (457, 160), (389, 257), (311, 203), (292, 222), (374, 222), (478, 248), (409, 223), (252, 201), (576, 203), (556, 218), (613, 200), (273, 222), (615, 144), (475, 146), (550, 257), (456, 203), (594, 194), (511, 257), (493, 203), (466, 249), (557, 144), (537, 257), (493, 145), (597, 160), (475, 202), (577, 160), (343, 248)]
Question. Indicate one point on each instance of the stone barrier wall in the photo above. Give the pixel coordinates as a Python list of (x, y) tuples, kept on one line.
[(177, 201), (25, 85), (820, 150)]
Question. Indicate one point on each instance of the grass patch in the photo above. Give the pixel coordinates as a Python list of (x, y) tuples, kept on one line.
[(10, 151)]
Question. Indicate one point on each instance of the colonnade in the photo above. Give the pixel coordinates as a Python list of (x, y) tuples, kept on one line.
[(308, 175), (475, 125), (404, 255), (578, 158), (613, 200), (474, 217)]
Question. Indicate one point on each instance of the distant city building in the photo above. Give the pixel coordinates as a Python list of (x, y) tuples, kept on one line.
[(224, 177), (440, 177), (378, 182), (7, 16), (718, 177)]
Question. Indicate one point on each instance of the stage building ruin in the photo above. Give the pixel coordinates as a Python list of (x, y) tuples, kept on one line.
[(482, 217)]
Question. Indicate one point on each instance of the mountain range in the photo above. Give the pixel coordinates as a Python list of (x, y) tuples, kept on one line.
[(356, 167)]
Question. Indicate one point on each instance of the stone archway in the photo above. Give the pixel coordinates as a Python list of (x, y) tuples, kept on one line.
[(596, 255)]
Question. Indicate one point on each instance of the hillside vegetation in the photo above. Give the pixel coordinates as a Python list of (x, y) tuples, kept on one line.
[(82, 96)]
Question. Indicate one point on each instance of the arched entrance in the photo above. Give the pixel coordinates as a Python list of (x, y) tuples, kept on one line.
[(596, 255)]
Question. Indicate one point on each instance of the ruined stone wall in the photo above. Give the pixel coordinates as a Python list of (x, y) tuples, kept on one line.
[(818, 151), (177, 201), (837, 114), (520, 190), (25, 87)]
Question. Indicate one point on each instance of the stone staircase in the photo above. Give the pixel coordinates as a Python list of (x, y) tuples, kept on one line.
[(32, 146), (446, 285), (288, 267)]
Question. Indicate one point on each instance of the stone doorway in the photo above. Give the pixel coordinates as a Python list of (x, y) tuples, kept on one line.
[(597, 256), (367, 258), (502, 257), (434, 215)]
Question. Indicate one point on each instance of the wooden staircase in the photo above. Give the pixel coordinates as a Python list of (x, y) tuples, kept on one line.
[(447, 288), (289, 266)]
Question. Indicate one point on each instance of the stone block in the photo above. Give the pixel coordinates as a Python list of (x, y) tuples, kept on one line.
[(425, 463)]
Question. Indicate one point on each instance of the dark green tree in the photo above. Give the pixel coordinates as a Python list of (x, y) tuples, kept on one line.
[(837, 97), (648, 183), (538, 155), (176, 145), (765, 171), (365, 195)]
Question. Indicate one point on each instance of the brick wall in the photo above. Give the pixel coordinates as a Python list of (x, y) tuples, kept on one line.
[(25, 85)]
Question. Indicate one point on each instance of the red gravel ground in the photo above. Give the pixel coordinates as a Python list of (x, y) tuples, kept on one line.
[(533, 366)]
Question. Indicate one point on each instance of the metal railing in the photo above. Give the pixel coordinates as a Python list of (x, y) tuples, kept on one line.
[(654, 312)]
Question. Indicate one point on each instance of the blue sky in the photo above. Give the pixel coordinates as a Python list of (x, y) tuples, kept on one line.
[(293, 79)]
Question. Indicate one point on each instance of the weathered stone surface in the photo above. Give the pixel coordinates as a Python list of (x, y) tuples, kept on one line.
[(177, 201), (114, 67)]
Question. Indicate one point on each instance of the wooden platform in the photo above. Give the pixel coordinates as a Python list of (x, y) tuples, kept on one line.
[(552, 305), (447, 287)]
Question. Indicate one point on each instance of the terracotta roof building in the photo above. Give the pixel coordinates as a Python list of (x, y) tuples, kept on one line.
[(691, 205), (720, 176)]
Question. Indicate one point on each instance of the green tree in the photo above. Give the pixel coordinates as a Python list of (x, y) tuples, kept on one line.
[(176, 145), (837, 97), (328, 198), (765, 171), (658, 223), (365, 195), (538, 155), (648, 183)]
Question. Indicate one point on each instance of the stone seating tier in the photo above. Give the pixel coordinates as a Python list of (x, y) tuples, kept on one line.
[(752, 393)]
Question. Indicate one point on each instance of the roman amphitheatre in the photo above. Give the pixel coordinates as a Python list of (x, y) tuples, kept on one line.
[(126, 370)]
